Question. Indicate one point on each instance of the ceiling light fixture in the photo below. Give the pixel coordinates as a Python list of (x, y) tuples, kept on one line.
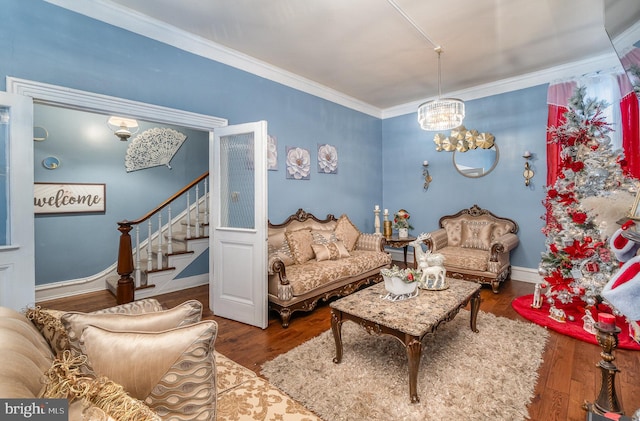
[(441, 113), (123, 127)]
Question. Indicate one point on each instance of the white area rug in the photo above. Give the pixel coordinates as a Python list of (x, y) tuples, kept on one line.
[(490, 375)]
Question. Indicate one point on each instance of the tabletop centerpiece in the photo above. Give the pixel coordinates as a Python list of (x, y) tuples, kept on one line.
[(401, 223), (400, 283)]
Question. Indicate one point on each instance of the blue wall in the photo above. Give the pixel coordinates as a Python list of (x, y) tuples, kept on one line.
[(380, 161), (518, 122), (42, 42), (70, 246)]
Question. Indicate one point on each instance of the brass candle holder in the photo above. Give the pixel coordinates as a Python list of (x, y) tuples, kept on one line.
[(387, 230), (607, 400)]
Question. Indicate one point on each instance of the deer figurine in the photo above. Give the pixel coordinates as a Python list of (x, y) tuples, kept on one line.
[(433, 273)]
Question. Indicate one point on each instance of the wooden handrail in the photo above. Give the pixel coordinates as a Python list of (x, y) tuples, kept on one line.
[(126, 286), (168, 201)]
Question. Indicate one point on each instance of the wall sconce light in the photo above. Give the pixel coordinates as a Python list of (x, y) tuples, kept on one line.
[(122, 127), (528, 172), (425, 174)]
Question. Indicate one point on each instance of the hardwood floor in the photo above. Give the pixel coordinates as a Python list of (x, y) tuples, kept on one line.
[(567, 377)]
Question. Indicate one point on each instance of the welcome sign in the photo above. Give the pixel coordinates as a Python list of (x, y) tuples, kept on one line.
[(69, 198)]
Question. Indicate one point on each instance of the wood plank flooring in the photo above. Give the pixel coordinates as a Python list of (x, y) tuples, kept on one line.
[(567, 378)]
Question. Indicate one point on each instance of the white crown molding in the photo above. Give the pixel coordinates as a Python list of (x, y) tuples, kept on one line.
[(570, 70), (627, 38), (114, 14)]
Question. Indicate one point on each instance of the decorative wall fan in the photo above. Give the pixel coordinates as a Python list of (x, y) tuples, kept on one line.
[(152, 148)]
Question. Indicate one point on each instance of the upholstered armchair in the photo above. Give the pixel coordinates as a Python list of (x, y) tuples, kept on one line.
[(476, 245)]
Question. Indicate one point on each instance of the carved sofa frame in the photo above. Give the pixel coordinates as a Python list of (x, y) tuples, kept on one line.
[(281, 298), (494, 262)]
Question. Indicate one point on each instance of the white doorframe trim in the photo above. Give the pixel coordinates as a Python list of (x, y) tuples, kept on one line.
[(44, 93)]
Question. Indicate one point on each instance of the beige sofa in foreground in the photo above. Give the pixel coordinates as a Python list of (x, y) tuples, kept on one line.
[(313, 259), (476, 245), (173, 374)]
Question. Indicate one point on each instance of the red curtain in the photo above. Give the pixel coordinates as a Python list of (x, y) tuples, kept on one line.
[(557, 99), (555, 119), (630, 134)]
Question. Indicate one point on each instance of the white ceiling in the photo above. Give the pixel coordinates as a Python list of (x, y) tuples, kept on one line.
[(367, 51)]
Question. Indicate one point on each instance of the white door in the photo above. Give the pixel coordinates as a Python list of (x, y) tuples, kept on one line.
[(17, 257), (238, 224)]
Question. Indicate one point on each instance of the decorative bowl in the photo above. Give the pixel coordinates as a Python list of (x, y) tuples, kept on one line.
[(397, 286)]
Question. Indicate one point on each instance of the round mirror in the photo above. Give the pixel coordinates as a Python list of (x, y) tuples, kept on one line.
[(476, 163)]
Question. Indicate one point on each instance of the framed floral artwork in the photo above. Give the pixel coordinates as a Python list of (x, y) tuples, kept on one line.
[(272, 153), (298, 163), (327, 159)]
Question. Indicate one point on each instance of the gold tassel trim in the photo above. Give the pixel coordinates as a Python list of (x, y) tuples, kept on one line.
[(65, 380), (285, 292), (44, 318)]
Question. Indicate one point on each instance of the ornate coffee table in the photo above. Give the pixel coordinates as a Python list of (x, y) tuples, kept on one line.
[(409, 320)]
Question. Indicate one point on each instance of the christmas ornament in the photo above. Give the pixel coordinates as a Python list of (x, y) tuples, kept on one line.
[(578, 261)]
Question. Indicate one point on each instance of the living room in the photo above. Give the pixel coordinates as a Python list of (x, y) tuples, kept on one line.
[(380, 159)]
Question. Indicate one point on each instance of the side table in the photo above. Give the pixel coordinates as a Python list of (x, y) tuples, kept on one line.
[(397, 242)]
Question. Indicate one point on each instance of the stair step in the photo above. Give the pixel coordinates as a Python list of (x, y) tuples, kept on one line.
[(177, 247), (193, 223), (112, 285), (182, 237)]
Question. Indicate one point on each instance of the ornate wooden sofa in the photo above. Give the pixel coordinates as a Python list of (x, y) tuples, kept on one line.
[(313, 259), (476, 245)]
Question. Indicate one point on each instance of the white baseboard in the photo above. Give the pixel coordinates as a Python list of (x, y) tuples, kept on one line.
[(518, 273), (65, 289)]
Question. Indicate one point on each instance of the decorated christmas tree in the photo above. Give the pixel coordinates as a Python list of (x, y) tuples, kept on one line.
[(578, 261)]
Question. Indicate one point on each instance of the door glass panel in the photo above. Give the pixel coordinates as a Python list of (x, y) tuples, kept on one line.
[(237, 181), (5, 223)]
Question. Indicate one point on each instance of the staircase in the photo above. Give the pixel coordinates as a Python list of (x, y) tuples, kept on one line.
[(150, 267)]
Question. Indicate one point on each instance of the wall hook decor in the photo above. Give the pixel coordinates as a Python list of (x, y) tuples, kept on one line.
[(425, 174), (528, 172)]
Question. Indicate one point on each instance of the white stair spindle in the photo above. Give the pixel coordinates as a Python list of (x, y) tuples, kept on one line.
[(197, 226), (169, 232), (149, 250), (159, 263), (138, 278), (188, 215), (206, 200)]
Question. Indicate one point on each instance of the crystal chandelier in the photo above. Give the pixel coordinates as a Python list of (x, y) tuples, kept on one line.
[(441, 113)]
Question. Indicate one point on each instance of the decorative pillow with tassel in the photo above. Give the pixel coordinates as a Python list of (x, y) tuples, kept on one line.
[(173, 372)]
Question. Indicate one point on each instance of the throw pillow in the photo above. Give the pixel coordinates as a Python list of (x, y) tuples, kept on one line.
[(184, 314), (279, 247), (173, 371), (454, 229), (500, 229), (47, 321), (300, 244), (330, 251), (347, 232), (476, 234), (324, 236)]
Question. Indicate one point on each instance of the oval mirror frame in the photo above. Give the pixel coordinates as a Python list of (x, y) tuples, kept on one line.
[(475, 171)]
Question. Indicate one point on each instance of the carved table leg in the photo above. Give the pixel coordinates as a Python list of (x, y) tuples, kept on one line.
[(475, 307), (414, 350), (336, 327)]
